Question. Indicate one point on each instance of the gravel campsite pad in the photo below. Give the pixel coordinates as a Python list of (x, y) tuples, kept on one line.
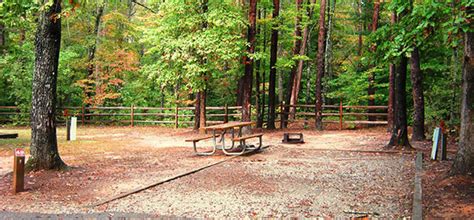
[(332, 174)]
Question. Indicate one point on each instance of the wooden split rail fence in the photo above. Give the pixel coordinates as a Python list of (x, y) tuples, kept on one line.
[(184, 116), (340, 114), (128, 115)]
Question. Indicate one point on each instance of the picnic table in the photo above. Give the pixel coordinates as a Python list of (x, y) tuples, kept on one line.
[(219, 132)]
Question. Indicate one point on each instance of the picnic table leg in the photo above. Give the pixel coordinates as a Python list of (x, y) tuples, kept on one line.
[(232, 135), (259, 144), (223, 141), (234, 153), (203, 153)]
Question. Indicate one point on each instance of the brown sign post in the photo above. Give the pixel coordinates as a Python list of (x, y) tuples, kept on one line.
[(18, 170)]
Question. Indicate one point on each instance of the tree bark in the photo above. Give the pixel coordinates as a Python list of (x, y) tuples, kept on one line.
[(202, 109), (259, 76), (320, 59), (299, 71), (200, 106), (391, 87), (248, 76), (399, 135), (331, 5), (197, 111), (44, 148), (371, 78), (296, 51), (464, 161), (273, 60), (418, 97), (93, 48), (360, 27)]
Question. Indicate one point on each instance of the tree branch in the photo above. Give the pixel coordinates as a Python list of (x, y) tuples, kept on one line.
[(144, 6)]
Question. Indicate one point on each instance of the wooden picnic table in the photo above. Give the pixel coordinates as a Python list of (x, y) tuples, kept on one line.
[(229, 125), (220, 131)]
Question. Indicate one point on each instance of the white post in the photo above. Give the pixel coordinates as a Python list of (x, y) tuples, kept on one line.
[(73, 128)]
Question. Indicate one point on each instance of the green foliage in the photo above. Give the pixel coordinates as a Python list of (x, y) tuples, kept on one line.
[(191, 47), (165, 55)]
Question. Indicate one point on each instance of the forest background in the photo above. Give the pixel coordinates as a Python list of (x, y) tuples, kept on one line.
[(165, 53)]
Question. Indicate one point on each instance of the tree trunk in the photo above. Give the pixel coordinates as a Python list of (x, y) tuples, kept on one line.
[(418, 97), (247, 78), (391, 87), (399, 135), (44, 148), (197, 111), (273, 60), (91, 67), (202, 109), (464, 161), (299, 72), (93, 48), (296, 51), (371, 78), (360, 27), (240, 90), (328, 50), (391, 99), (260, 77), (320, 58), (2, 36)]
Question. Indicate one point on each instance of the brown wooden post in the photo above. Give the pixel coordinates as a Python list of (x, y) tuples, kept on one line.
[(132, 114), (176, 117), (18, 170), (226, 113), (82, 116), (340, 115), (68, 129)]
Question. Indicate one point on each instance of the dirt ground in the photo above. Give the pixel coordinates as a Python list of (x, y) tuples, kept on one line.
[(332, 174)]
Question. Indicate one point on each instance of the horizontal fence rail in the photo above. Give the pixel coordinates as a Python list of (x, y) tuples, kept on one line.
[(184, 116), (340, 114)]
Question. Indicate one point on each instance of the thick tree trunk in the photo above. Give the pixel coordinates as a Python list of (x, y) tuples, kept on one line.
[(247, 78), (273, 60), (371, 78), (44, 148), (299, 71), (399, 135), (418, 97), (320, 58), (296, 51), (391, 87), (464, 161)]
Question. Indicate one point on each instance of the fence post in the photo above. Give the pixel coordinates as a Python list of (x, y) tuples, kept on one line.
[(340, 115), (226, 113), (82, 115), (282, 117), (132, 114), (176, 117)]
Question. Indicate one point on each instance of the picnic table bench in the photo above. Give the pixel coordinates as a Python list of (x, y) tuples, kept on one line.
[(220, 131)]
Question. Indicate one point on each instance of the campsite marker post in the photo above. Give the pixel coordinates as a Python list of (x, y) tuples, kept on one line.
[(18, 170)]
